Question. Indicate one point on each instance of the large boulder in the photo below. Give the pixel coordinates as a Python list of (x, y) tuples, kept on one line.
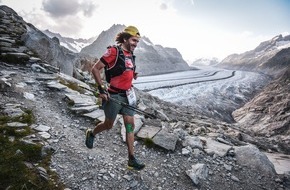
[(251, 157), (50, 50)]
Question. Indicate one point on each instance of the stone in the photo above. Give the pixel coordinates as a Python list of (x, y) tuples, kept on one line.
[(42, 128), (250, 156), (148, 132), (17, 124), (165, 140), (197, 172), (281, 162), (214, 147)]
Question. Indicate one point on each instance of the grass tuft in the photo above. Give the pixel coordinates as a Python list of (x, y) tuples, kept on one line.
[(72, 85), (149, 142)]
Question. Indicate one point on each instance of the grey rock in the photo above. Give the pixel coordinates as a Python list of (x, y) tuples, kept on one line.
[(38, 68), (17, 124), (197, 172), (95, 114), (214, 147), (148, 132), (193, 142), (251, 156), (42, 128), (28, 96), (84, 109), (165, 140), (56, 85), (13, 110)]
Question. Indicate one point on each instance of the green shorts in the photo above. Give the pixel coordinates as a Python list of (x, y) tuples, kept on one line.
[(112, 109)]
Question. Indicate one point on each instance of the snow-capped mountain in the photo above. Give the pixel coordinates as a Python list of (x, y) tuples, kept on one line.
[(75, 45), (150, 58), (205, 62), (261, 58)]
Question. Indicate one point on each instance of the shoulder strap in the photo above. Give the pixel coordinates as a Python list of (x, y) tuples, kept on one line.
[(120, 55)]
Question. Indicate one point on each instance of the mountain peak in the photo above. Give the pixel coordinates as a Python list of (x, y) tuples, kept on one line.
[(75, 45), (277, 38), (261, 58)]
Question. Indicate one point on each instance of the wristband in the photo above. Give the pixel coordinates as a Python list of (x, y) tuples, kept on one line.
[(101, 89)]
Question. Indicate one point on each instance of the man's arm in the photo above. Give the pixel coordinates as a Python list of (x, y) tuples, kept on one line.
[(96, 71)]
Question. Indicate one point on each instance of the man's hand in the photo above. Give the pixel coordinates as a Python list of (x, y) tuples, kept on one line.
[(105, 97), (103, 93), (135, 75)]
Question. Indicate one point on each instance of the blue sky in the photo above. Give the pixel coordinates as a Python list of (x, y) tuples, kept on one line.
[(261, 16), (197, 28)]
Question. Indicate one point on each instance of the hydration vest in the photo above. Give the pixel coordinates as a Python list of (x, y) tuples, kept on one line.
[(119, 66)]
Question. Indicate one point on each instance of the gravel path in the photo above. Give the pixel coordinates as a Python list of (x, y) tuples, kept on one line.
[(104, 166)]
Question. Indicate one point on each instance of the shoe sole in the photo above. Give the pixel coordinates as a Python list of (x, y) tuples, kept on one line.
[(87, 134), (132, 168)]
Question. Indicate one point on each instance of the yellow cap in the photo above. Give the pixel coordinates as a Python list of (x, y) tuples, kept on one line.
[(132, 30)]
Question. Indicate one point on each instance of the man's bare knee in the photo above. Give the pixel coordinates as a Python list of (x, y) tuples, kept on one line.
[(108, 124)]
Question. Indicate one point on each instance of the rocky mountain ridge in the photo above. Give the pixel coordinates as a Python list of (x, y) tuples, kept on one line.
[(205, 62), (22, 42), (268, 113), (260, 58), (74, 45)]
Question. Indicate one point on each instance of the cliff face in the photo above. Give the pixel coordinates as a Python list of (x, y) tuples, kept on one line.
[(50, 50), (268, 113), (23, 42)]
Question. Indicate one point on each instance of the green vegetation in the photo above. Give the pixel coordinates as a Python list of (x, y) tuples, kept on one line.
[(72, 85), (19, 160), (27, 117)]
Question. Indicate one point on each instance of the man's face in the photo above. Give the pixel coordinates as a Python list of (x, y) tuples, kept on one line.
[(131, 43)]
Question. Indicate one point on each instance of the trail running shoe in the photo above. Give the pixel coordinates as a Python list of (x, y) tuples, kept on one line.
[(89, 138), (135, 164)]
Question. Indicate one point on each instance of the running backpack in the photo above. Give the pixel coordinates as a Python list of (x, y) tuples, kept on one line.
[(120, 66)]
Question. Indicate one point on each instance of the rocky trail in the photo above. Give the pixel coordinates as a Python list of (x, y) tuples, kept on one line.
[(206, 155)]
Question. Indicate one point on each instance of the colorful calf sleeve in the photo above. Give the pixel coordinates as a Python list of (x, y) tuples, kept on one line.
[(129, 128)]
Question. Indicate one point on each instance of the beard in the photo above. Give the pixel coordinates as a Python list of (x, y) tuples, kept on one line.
[(129, 47)]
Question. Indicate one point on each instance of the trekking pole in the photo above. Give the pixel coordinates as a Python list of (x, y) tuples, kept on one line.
[(152, 116)]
